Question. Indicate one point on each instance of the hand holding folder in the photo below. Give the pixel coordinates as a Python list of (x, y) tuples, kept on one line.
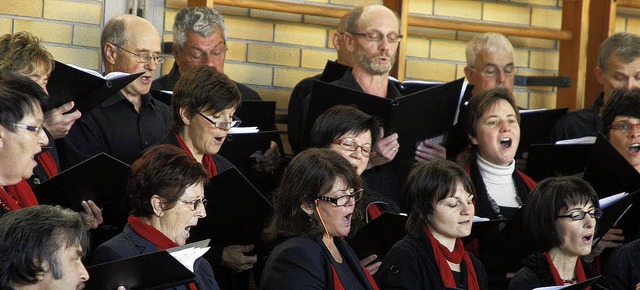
[(415, 117)]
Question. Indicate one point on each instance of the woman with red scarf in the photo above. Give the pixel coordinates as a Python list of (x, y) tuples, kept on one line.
[(166, 192), (314, 209), (439, 196), (561, 217), (203, 104), (21, 139)]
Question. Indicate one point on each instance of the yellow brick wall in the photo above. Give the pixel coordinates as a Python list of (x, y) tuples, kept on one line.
[(70, 29), (271, 51)]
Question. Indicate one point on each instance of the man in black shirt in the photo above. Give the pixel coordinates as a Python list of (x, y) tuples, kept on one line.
[(130, 120)]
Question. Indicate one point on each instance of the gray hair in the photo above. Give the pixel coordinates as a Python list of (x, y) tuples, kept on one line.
[(490, 42), (625, 46), (201, 20)]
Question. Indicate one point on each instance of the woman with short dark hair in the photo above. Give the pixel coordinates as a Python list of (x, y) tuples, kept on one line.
[(432, 256), (561, 217), (166, 195), (314, 208)]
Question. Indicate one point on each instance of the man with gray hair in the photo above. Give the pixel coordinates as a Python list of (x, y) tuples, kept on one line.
[(618, 68), (200, 37), (41, 247)]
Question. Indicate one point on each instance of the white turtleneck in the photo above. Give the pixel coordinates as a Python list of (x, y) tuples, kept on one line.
[(499, 182)]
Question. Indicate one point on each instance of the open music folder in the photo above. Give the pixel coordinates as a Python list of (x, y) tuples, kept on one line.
[(424, 114), (157, 270), (87, 88)]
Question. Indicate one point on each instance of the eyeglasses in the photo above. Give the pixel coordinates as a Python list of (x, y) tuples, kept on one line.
[(143, 58), (351, 145), (492, 70), (196, 203), (34, 129), (377, 36), (624, 126), (222, 125), (343, 200), (198, 54), (580, 214)]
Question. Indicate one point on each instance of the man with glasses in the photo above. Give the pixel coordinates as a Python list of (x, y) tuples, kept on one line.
[(130, 120), (200, 37), (618, 69)]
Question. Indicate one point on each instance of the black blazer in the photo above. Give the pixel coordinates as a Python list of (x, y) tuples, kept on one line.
[(411, 265), (129, 244), (305, 263)]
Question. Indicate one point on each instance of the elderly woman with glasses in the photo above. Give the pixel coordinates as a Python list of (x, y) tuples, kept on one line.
[(166, 196), (314, 208), (561, 217)]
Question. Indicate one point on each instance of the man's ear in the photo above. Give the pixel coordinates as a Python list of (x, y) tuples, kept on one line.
[(468, 73), (473, 140), (174, 49), (349, 41), (598, 72), (110, 53), (308, 208), (185, 116), (156, 204)]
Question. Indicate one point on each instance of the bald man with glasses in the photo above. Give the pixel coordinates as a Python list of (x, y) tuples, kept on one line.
[(131, 120)]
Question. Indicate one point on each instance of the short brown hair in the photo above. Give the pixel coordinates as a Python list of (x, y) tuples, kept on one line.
[(479, 104), (203, 88), (164, 170)]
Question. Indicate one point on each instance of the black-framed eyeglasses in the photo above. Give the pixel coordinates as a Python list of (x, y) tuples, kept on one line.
[(580, 214), (143, 58), (377, 36), (35, 129), (351, 145), (624, 126), (492, 70), (196, 203), (222, 125), (343, 200), (216, 53)]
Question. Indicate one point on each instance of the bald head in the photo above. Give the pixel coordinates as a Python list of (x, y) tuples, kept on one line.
[(373, 33), (120, 29)]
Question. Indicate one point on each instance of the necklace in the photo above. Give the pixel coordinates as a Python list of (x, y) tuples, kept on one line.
[(570, 281)]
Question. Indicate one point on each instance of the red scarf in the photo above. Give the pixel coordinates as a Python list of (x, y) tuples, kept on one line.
[(442, 255), (374, 211), (207, 159), (154, 236), (17, 196), (337, 284), (556, 276), (48, 164)]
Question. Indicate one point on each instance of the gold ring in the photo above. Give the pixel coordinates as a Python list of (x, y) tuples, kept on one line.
[(395, 149)]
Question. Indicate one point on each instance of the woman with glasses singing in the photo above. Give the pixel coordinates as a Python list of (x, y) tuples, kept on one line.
[(350, 132), (561, 217), (432, 256), (314, 208), (203, 104), (620, 122), (166, 196)]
